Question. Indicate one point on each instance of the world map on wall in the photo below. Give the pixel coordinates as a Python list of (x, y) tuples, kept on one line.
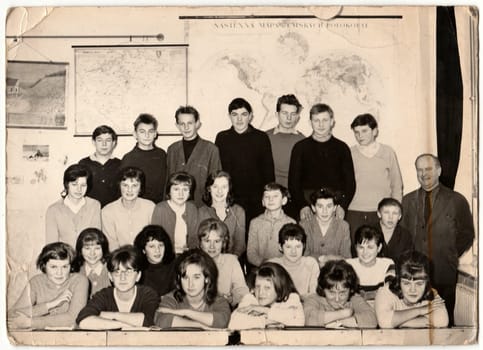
[(290, 63)]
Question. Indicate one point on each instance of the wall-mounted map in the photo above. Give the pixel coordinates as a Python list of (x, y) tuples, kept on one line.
[(113, 85)]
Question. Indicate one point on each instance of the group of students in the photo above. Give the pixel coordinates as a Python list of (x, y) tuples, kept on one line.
[(153, 246)]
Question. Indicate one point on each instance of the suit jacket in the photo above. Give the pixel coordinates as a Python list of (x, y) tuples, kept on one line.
[(448, 234)]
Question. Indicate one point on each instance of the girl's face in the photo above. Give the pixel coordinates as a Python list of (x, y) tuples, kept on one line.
[(130, 189), (265, 291), (367, 252), (337, 296), (324, 209), (413, 289), (154, 251), (212, 244), (124, 278), (92, 253), (219, 190), (292, 250), (179, 193), (193, 282), (57, 271), (77, 189)]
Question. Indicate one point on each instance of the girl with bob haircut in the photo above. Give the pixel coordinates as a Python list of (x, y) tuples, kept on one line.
[(177, 215), (194, 302), (213, 239), (409, 301), (53, 298), (220, 205), (67, 217), (125, 304), (273, 301), (126, 216), (158, 258), (336, 303), (92, 251)]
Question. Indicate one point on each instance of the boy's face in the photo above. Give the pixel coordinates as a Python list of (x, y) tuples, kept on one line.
[(322, 124), (273, 200), (104, 145), (130, 189), (364, 134), (324, 209), (367, 252), (179, 193), (389, 216), (145, 134), (188, 126), (337, 296), (124, 278), (288, 116), (293, 249), (240, 118)]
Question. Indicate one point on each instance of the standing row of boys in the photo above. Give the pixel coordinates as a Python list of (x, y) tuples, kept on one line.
[(327, 181)]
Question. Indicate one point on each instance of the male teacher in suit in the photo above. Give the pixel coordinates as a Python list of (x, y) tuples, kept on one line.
[(442, 226)]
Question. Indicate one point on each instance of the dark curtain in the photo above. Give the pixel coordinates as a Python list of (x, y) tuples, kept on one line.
[(449, 95)]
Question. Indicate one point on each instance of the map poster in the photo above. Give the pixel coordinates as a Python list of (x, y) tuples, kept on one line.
[(116, 84), (35, 94)]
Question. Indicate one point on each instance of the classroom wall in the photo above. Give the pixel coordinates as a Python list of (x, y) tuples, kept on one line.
[(408, 124)]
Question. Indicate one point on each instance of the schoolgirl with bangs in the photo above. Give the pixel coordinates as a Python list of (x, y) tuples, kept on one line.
[(409, 301)]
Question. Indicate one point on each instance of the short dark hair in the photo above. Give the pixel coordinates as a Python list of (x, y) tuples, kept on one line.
[(154, 232), (75, 171), (410, 264), (104, 129), (334, 272), (273, 186), (132, 172), (289, 100), (279, 276), (239, 103), (180, 177), (435, 159), (55, 251), (90, 235), (321, 108), (145, 118), (389, 202), (208, 225), (364, 119), (187, 110), (207, 265), (207, 198), (292, 231), (367, 233), (127, 255), (323, 193)]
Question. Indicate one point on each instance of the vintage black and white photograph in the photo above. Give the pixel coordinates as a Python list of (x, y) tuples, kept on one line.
[(244, 175)]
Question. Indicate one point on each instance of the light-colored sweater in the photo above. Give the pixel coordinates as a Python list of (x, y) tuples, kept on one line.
[(263, 237), (376, 178), (373, 277), (121, 225), (230, 278), (304, 273), (40, 291), (62, 224)]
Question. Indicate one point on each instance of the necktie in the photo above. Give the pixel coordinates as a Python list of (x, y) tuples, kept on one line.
[(427, 207)]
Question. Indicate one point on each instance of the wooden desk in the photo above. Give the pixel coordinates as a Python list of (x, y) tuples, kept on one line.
[(301, 337), (444, 336), (167, 338), (58, 338)]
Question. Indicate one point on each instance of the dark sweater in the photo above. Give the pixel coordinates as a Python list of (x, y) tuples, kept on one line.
[(248, 159), (314, 165), (160, 277), (153, 164), (104, 179), (401, 241)]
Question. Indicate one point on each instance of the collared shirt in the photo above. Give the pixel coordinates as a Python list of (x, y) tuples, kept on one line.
[(97, 270)]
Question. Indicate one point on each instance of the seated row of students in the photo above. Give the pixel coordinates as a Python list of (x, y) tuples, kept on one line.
[(205, 283)]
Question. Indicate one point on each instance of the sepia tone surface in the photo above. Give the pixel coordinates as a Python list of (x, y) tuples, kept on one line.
[(379, 60)]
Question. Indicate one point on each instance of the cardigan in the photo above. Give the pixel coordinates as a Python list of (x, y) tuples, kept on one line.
[(235, 221), (165, 217), (62, 224), (203, 161), (263, 237), (219, 308), (146, 301), (121, 225), (231, 280), (40, 291), (335, 242), (315, 307), (304, 273), (153, 164), (96, 282)]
